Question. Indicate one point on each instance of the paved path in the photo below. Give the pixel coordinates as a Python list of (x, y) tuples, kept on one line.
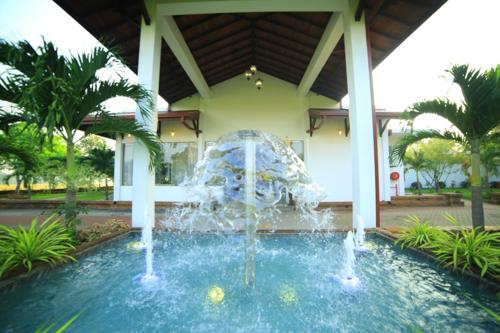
[(390, 216)]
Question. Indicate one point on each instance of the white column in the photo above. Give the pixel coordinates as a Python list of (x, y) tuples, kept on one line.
[(385, 167), (143, 199), (117, 177), (360, 117)]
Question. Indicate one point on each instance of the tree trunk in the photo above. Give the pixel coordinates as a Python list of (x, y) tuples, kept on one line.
[(436, 185), (477, 198), (70, 210), (106, 185), (19, 180), (419, 191)]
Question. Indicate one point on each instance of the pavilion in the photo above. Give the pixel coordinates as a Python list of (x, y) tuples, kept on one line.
[(308, 56)]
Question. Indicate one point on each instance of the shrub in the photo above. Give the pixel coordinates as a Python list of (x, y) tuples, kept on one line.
[(50, 243), (97, 231), (414, 185), (464, 184), (469, 249), (419, 234), (442, 185)]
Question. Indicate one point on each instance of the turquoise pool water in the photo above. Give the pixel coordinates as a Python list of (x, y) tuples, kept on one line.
[(296, 290)]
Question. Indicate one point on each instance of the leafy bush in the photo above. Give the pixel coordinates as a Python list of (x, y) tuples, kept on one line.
[(419, 234), (97, 231), (464, 184), (414, 185), (469, 249), (50, 243), (442, 185)]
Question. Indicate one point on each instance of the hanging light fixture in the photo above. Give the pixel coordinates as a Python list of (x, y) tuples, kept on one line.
[(248, 75), (258, 83), (252, 70)]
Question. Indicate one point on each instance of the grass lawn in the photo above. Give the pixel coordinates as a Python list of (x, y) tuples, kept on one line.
[(465, 191), (92, 195)]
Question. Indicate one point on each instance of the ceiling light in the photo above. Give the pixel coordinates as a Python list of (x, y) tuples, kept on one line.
[(258, 83)]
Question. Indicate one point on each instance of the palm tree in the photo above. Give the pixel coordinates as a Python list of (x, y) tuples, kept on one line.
[(415, 161), (101, 159), (57, 93), (475, 120)]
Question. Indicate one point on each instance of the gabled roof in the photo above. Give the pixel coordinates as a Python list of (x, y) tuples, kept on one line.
[(224, 45)]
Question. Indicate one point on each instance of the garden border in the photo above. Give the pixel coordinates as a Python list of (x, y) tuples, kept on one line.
[(41, 267)]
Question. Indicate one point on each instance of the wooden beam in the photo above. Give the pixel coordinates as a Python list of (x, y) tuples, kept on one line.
[(182, 7), (145, 13), (359, 10), (177, 44), (331, 36)]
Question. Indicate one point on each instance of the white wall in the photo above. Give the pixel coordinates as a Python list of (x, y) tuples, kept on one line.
[(236, 104)]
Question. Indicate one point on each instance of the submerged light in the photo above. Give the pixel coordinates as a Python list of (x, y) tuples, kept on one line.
[(135, 246), (216, 294), (288, 295)]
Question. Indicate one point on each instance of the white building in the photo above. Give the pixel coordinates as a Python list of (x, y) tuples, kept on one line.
[(309, 54)]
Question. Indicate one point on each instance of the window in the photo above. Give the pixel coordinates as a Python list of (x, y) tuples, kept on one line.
[(178, 163), (127, 163)]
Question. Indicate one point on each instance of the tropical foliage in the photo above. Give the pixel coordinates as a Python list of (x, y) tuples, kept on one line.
[(469, 249), (61, 94), (475, 120), (418, 234), (414, 160), (49, 242), (464, 250), (102, 160)]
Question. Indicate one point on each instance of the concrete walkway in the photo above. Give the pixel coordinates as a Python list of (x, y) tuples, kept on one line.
[(390, 216)]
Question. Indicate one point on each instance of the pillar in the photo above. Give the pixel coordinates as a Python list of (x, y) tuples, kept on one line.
[(143, 198), (360, 117), (117, 177)]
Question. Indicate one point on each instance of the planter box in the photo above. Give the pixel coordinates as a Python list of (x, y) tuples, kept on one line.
[(495, 198)]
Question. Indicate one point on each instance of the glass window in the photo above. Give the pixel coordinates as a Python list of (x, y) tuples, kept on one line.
[(127, 163), (178, 163)]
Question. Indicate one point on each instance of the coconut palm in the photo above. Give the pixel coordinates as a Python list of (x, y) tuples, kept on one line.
[(57, 93), (415, 160), (475, 120)]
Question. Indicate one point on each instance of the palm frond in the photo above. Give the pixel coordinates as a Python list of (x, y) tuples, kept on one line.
[(441, 107), (9, 149), (100, 92), (399, 150), (114, 125), (20, 56)]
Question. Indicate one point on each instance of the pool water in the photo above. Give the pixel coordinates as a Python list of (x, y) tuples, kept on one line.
[(296, 290)]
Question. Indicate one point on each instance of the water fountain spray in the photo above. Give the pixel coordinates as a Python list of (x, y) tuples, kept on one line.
[(240, 182), (251, 223), (147, 239), (348, 279)]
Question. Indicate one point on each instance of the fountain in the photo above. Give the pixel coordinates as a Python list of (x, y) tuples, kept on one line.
[(240, 183), (347, 278)]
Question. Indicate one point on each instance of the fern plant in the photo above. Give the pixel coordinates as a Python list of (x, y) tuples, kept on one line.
[(419, 234), (49, 242)]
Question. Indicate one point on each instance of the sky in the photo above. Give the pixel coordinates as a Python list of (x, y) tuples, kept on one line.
[(461, 31)]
